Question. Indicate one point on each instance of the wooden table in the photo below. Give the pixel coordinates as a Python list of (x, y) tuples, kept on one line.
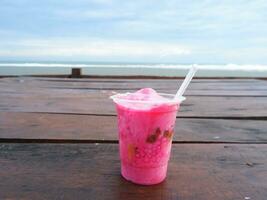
[(58, 140)]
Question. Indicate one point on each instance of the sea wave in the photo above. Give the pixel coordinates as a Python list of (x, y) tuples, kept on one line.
[(226, 67)]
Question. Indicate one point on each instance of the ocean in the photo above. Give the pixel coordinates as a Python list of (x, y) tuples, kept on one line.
[(131, 69)]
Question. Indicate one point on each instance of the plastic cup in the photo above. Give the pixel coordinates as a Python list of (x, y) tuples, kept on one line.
[(145, 131)]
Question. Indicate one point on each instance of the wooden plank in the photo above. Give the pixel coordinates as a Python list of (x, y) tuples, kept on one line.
[(197, 87), (242, 92), (127, 79), (135, 83), (71, 171), (104, 128), (99, 103), (33, 95)]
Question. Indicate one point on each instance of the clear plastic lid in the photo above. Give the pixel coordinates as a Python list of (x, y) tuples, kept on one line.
[(167, 99)]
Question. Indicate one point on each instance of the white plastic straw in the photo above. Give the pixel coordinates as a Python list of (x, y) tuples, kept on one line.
[(186, 82)]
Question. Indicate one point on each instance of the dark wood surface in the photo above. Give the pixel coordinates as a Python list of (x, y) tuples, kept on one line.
[(90, 171), (100, 104), (104, 128), (219, 150), (223, 87), (42, 95)]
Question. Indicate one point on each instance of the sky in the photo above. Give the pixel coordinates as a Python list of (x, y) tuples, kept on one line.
[(152, 31)]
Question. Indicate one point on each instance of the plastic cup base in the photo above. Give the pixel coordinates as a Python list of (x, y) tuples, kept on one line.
[(144, 176)]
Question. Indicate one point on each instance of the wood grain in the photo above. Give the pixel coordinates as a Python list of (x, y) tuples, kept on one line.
[(53, 109), (197, 87), (209, 98), (104, 128), (99, 103), (90, 171)]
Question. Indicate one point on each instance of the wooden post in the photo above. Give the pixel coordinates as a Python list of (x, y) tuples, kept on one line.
[(76, 73)]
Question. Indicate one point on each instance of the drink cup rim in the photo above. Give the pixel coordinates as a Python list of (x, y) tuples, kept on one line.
[(117, 98)]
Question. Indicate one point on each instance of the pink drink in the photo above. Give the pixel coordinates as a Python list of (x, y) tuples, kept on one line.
[(146, 126)]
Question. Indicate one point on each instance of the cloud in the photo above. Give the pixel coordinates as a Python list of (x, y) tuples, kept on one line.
[(198, 31), (104, 14), (92, 47)]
